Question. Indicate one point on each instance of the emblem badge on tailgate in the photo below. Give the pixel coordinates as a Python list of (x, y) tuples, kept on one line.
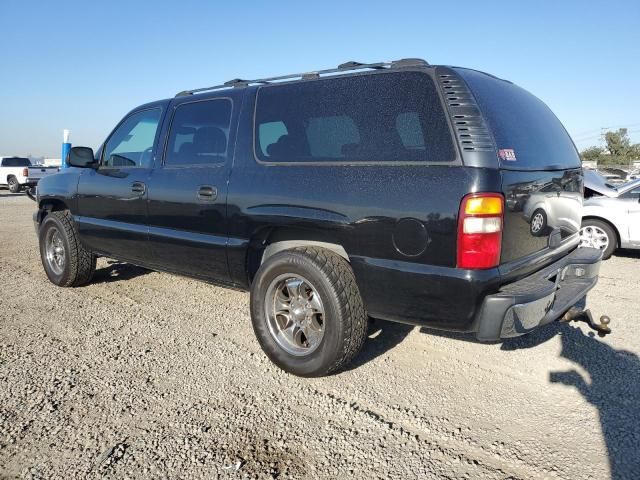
[(507, 154)]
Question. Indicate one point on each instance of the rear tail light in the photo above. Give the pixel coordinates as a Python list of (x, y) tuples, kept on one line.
[(25, 172), (480, 230)]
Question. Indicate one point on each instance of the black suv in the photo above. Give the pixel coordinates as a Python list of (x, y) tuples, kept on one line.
[(398, 191)]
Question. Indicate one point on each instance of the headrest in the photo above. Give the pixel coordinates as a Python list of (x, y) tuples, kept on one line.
[(209, 140)]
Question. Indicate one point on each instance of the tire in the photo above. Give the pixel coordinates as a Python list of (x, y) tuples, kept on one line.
[(65, 260), (14, 186), (592, 230), (538, 223), (331, 285)]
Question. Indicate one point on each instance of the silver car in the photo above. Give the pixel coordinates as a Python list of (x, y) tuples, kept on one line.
[(551, 207), (611, 214)]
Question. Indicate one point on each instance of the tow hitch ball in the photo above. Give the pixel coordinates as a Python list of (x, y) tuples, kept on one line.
[(575, 314)]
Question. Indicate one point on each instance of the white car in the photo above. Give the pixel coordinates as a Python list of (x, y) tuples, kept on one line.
[(611, 214), (551, 207), (18, 172)]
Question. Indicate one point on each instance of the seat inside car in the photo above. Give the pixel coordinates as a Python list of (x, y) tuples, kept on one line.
[(207, 142)]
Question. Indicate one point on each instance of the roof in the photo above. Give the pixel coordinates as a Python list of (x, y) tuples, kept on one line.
[(342, 68)]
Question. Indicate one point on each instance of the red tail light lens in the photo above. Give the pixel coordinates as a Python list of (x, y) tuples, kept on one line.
[(480, 226), (25, 172)]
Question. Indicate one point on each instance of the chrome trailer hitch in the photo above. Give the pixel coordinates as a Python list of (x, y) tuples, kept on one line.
[(578, 315)]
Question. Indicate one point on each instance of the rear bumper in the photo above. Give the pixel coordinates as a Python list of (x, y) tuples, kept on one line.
[(540, 298), (30, 182)]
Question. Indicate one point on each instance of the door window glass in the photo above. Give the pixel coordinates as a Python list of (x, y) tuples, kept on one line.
[(131, 145), (199, 133), (635, 194)]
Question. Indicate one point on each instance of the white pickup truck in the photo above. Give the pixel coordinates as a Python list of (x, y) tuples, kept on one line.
[(18, 172)]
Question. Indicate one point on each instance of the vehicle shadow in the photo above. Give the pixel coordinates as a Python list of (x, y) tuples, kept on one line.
[(117, 271), (614, 389), (7, 193), (463, 336), (627, 253), (382, 336)]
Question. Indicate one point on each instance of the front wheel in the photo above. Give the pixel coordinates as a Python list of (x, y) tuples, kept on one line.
[(598, 234), (65, 260), (307, 312)]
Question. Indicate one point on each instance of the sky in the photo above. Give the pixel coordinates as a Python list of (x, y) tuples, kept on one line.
[(83, 65)]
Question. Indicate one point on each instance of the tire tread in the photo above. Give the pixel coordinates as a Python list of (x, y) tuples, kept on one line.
[(344, 283), (82, 262)]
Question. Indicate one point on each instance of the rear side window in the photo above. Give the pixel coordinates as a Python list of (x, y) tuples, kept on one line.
[(521, 122), (388, 117), (16, 162), (199, 133)]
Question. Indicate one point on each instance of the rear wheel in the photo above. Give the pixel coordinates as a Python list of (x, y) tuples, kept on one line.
[(307, 312), (598, 234), (14, 186), (65, 260), (538, 224)]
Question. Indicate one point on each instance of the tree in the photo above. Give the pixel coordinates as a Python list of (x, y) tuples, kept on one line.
[(592, 153), (619, 149), (618, 143)]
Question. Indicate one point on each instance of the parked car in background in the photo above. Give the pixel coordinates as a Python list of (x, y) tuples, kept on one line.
[(611, 214), (362, 191), (18, 173), (613, 179), (551, 207)]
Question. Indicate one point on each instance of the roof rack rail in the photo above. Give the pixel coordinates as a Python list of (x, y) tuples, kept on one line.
[(347, 66)]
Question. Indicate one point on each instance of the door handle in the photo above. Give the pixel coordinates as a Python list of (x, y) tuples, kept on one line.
[(207, 192), (138, 187)]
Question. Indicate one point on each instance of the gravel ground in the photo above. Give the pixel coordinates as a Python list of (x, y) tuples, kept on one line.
[(147, 375)]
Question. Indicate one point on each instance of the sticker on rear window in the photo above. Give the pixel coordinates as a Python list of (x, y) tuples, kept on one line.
[(507, 154)]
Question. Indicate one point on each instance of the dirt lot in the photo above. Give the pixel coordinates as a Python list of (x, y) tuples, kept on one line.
[(147, 375)]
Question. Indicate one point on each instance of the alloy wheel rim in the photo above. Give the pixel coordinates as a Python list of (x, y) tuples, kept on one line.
[(54, 248), (536, 222), (594, 237), (295, 314)]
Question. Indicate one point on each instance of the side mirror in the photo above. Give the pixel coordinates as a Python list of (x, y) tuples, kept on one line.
[(81, 157)]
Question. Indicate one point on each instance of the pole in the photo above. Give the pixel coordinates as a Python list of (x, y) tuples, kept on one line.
[(66, 146)]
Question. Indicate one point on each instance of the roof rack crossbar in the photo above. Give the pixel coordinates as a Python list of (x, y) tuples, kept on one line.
[(347, 66)]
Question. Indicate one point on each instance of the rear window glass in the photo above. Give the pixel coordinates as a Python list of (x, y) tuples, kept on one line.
[(523, 123), (390, 117), (16, 162), (199, 133)]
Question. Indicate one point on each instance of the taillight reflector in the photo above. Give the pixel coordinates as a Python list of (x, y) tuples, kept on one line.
[(480, 230), (483, 205), (25, 172)]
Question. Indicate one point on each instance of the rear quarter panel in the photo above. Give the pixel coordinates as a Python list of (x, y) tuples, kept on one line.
[(397, 223), (6, 172)]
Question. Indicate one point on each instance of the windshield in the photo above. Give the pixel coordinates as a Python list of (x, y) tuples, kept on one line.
[(16, 162), (527, 133)]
